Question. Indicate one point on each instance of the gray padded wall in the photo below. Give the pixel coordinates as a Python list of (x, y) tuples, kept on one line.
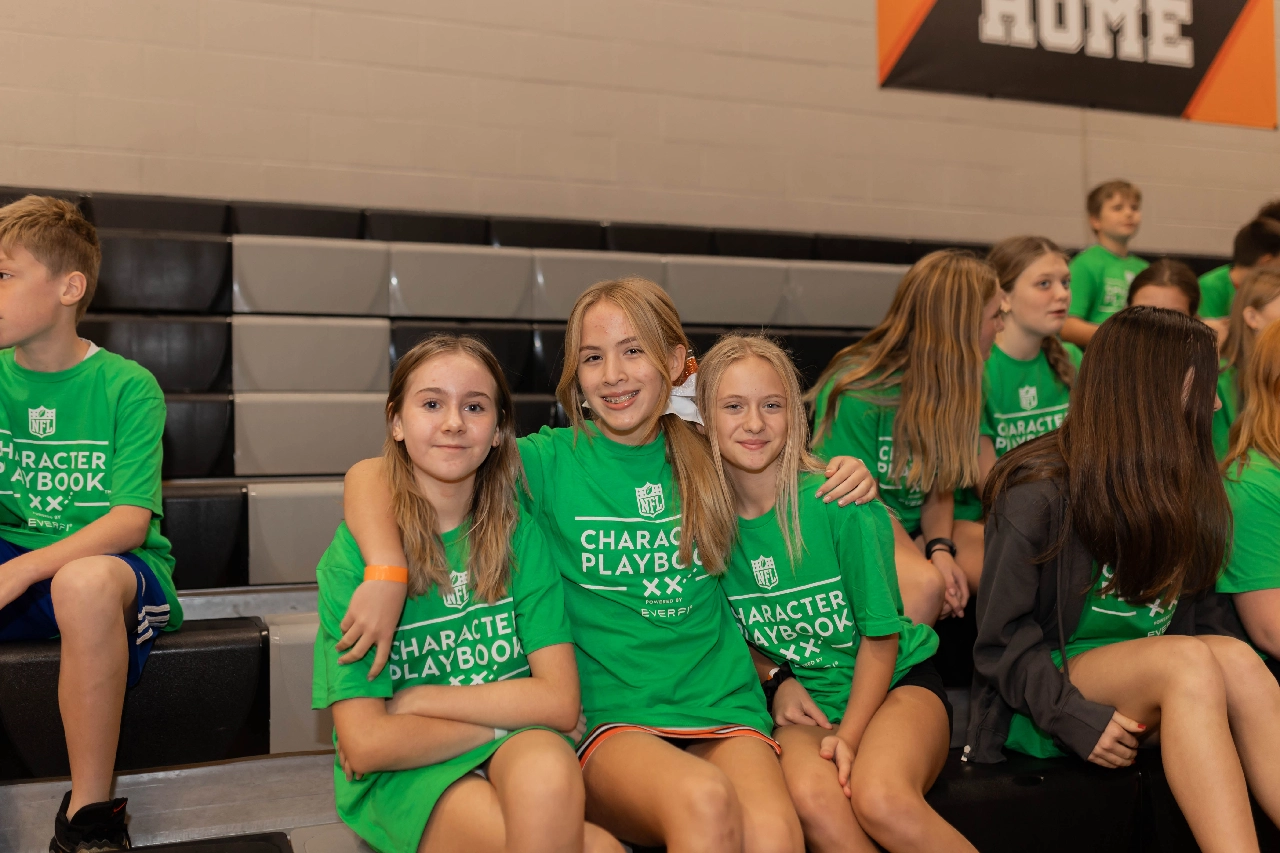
[(726, 291), (561, 276), (310, 353), (308, 275), (294, 726), (306, 433), (290, 525), (475, 282), (832, 294)]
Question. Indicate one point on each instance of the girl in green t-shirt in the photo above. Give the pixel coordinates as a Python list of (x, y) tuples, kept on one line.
[(1256, 306), (909, 396), (1027, 378), (815, 588), (457, 745), (1252, 480)]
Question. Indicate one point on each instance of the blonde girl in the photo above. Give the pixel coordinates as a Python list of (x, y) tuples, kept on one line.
[(909, 396), (1255, 307), (677, 750), (486, 676), (814, 587)]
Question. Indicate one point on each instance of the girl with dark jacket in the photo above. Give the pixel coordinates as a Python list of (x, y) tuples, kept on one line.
[(1098, 628)]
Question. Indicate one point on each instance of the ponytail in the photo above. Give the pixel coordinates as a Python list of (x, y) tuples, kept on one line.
[(1056, 354)]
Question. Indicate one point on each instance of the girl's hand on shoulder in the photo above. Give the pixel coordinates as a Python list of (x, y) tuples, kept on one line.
[(793, 706), (956, 598), (848, 481), (835, 749), (371, 620), (1118, 746)]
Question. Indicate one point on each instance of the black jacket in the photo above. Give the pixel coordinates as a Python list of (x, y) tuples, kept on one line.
[(1026, 609)]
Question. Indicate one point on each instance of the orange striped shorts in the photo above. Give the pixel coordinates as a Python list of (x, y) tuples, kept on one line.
[(603, 732)]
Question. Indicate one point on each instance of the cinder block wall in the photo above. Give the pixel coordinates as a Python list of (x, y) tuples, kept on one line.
[(748, 113)]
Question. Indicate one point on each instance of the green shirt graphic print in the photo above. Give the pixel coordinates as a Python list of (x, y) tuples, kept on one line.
[(75, 443), (1100, 282), (814, 614), (1023, 399), (656, 641)]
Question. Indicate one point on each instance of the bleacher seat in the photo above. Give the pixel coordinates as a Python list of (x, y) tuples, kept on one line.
[(302, 275), (534, 411), (399, 226), (726, 290), (194, 700), (812, 350), (845, 295), (1168, 827), (785, 245), (660, 239), (474, 282), (561, 276), (703, 338), (293, 220), (290, 525), (197, 435), (264, 842), (207, 525), (158, 213), (294, 726), (546, 359), (299, 434), (511, 343), (310, 353), (185, 354), (547, 233), (177, 273), (8, 195)]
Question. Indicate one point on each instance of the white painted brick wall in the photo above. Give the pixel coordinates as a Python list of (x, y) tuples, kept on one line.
[(746, 113)]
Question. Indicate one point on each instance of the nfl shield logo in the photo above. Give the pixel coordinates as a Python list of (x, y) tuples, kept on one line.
[(649, 499), (765, 571), (460, 595), (41, 421), (1029, 395)]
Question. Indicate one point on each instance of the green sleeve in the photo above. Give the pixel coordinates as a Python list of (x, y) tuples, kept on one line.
[(853, 431), (538, 591), (537, 453), (341, 570), (1074, 353), (1086, 286), (865, 544), (1252, 565), (139, 430)]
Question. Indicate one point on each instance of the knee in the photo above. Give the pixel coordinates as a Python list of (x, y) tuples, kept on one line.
[(598, 840), (545, 770), (1191, 668), (924, 592), (815, 799), (709, 804), (92, 583), (884, 809), (774, 831)]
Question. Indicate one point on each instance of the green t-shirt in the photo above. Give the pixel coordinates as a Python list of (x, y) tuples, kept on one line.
[(863, 428), (1106, 619), (814, 615), (656, 641), (443, 638), (1217, 291), (1225, 416), (1254, 494), (74, 444), (1100, 283), (1023, 399)]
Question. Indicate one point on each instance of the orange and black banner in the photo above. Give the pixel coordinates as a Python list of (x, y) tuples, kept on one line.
[(1205, 60)]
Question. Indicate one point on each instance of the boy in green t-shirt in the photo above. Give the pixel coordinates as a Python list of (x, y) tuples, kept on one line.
[(1101, 274), (1257, 246), (80, 432)]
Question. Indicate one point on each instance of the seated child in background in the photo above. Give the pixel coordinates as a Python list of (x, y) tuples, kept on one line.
[(456, 746), (1256, 246), (1101, 274), (1166, 284), (868, 667), (81, 555), (1255, 307)]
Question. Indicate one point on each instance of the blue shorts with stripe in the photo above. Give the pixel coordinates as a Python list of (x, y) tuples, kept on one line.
[(30, 616)]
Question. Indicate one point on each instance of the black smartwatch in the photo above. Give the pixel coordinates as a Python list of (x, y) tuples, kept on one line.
[(771, 686), (939, 544)]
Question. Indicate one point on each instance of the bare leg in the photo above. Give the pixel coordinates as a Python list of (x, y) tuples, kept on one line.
[(968, 536), (921, 584), (93, 601), (825, 813), (646, 791), (769, 822), (1176, 683), (467, 818)]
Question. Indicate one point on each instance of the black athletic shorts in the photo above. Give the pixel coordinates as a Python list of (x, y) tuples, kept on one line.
[(925, 674)]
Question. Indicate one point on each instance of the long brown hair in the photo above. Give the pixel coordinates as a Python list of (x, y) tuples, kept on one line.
[(709, 521), (493, 504), (1258, 425), (1143, 489), (1257, 291), (928, 344), (1010, 259), (1167, 272), (795, 456)]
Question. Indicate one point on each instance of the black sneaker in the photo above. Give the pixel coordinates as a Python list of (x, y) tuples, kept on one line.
[(96, 828)]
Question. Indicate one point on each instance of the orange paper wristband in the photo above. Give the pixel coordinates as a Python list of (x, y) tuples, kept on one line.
[(399, 574)]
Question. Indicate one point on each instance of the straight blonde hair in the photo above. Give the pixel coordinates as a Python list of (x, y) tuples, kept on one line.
[(795, 457), (928, 345), (709, 521), (1258, 290), (1258, 425), (494, 512)]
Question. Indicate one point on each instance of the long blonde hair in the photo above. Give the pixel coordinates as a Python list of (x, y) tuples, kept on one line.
[(493, 504), (795, 456), (928, 345), (1259, 288), (1258, 425), (709, 521)]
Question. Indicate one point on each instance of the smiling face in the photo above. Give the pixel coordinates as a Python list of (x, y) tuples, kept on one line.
[(1119, 219), (31, 301), (751, 415), (1040, 296), (1163, 296), (449, 419), (620, 381)]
